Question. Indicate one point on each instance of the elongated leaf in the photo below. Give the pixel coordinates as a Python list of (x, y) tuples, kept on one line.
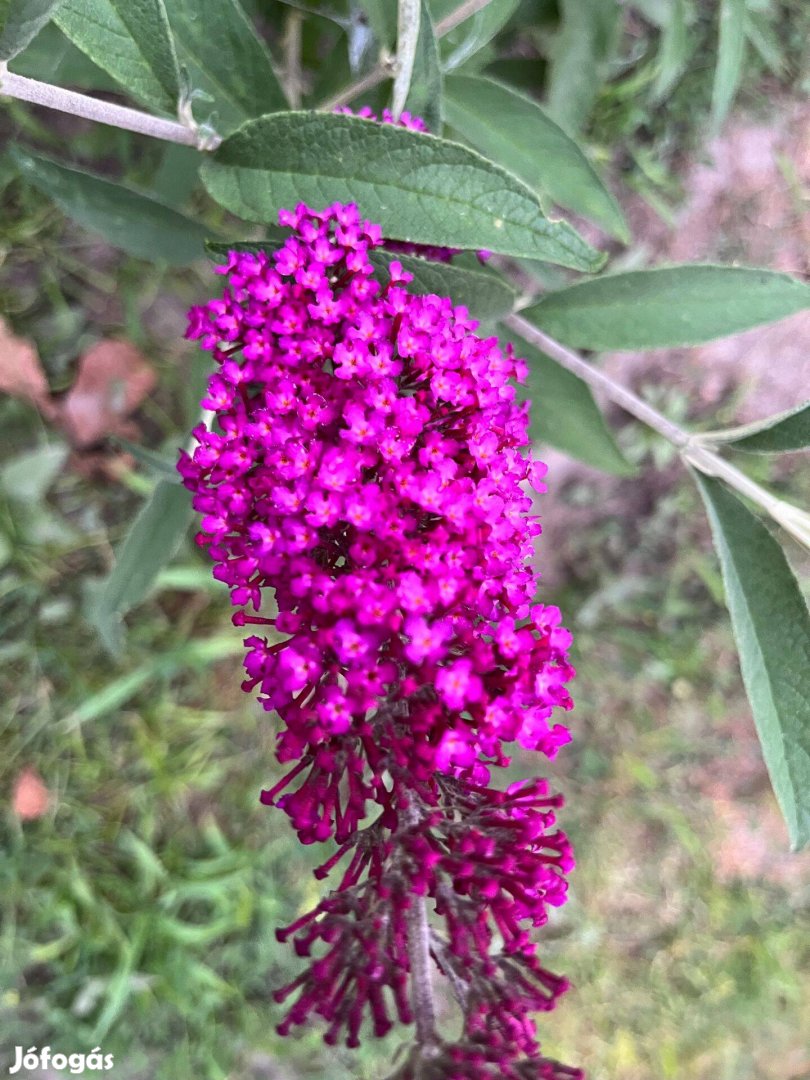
[(564, 413), (20, 22), (772, 629), (483, 293), (426, 91), (762, 36), (51, 57), (787, 431), (417, 187), (226, 59), (129, 39), (730, 58), (472, 34), (111, 697), (162, 467), (381, 15), (27, 477), (134, 222), (514, 131), (581, 52), (678, 305), (153, 539), (674, 52)]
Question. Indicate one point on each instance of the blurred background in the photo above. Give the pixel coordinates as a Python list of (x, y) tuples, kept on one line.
[(140, 880)]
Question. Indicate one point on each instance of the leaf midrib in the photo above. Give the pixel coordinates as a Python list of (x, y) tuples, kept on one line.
[(548, 226)]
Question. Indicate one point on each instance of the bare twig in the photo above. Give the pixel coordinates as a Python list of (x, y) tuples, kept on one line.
[(384, 69), (377, 75), (592, 375), (693, 451), (424, 1009), (440, 950), (104, 112), (458, 16)]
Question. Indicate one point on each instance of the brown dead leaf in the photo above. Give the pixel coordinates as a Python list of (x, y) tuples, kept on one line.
[(30, 798), (21, 373), (114, 377)]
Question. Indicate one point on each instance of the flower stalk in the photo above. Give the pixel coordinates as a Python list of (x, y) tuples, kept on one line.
[(424, 1008)]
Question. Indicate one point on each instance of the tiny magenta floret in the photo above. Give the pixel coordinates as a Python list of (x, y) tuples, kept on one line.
[(369, 473)]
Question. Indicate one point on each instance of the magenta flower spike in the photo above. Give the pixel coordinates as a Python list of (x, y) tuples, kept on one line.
[(368, 473)]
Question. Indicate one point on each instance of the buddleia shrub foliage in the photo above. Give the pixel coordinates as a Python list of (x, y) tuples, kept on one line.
[(389, 215)]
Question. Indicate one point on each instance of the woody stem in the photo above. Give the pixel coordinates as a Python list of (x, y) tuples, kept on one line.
[(424, 1008)]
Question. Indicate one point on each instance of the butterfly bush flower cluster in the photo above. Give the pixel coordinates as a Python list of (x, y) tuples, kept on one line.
[(365, 495)]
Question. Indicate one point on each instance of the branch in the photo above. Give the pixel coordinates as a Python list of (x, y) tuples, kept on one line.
[(104, 112), (383, 70), (424, 1009), (462, 12), (629, 401), (692, 450)]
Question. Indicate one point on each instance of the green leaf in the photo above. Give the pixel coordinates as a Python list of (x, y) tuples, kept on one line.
[(425, 94), (113, 695), (134, 222), (730, 58), (564, 414), (52, 58), (580, 56), (20, 22), (28, 476), (161, 467), (226, 59), (513, 130), (472, 34), (176, 176), (381, 15), (131, 40), (764, 38), (483, 293), (153, 539), (786, 431), (678, 305), (418, 187), (772, 628), (674, 52)]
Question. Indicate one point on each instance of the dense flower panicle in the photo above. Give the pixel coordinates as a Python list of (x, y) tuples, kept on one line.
[(366, 471)]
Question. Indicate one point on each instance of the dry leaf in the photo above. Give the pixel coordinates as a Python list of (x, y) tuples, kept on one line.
[(21, 373), (114, 377), (30, 799)]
